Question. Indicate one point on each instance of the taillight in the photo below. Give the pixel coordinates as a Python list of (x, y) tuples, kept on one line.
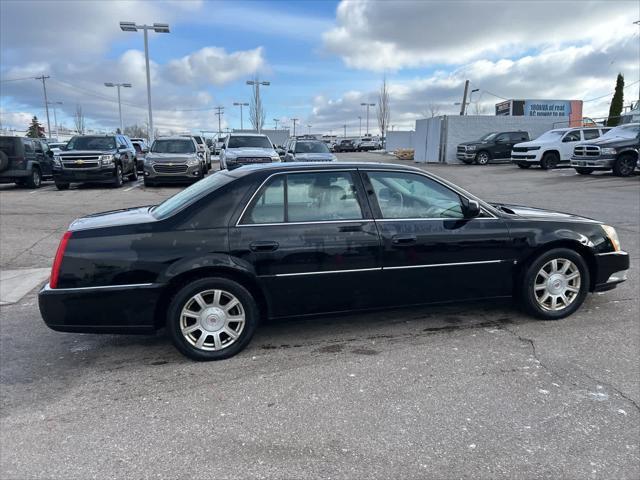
[(57, 261)]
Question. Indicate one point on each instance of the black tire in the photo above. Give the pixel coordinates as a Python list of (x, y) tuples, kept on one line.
[(527, 292), (524, 165), (133, 176), (482, 157), (183, 297), (584, 171), (624, 165), (148, 183), (4, 161), (549, 160), (467, 161), (35, 179), (62, 186), (118, 179)]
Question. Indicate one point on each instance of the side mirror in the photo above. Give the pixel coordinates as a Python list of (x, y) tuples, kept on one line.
[(50, 153), (470, 208), (290, 151)]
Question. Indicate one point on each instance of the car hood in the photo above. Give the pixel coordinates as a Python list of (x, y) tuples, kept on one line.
[(539, 213), (475, 142), (169, 157), (311, 157), (113, 218), (251, 152), (536, 143)]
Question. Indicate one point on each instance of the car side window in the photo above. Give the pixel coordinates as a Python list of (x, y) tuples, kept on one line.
[(408, 195), (310, 197), (517, 137), (28, 146), (572, 136), (502, 138), (37, 147), (591, 134)]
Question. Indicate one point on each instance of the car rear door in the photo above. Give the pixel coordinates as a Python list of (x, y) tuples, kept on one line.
[(312, 242), (430, 251)]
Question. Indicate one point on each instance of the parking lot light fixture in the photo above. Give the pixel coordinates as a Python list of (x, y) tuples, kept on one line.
[(118, 85), (367, 105), (158, 28), (294, 120), (55, 117), (240, 104), (276, 120), (256, 84)]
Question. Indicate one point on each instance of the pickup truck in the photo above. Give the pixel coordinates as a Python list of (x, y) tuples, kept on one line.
[(492, 146), (553, 148), (616, 150)]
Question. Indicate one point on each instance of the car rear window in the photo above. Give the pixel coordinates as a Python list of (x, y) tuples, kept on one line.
[(8, 145)]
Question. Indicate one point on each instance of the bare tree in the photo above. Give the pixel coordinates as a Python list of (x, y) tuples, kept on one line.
[(384, 110), (78, 119), (478, 108), (257, 113), (135, 131), (433, 110)]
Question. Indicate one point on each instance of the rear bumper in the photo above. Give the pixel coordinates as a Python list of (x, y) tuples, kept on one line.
[(110, 309), (610, 270)]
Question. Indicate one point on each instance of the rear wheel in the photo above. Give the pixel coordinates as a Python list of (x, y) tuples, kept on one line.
[(549, 160), (624, 165), (584, 171), (524, 165), (35, 179), (555, 284), (148, 183), (482, 158), (212, 319)]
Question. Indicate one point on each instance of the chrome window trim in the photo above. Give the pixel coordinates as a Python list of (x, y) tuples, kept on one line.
[(399, 267), (319, 222), (244, 210), (101, 287)]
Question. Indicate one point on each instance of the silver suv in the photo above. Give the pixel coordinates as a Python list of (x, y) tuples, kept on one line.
[(173, 160), (246, 149)]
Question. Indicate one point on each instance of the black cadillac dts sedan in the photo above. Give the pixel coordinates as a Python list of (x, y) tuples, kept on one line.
[(296, 239)]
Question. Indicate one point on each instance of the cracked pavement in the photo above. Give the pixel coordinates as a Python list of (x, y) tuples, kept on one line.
[(460, 391)]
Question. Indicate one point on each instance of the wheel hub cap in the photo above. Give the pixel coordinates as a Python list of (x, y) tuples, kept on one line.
[(213, 319), (557, 284)]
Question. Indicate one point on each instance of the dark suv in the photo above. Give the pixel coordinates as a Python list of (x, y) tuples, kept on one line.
[(492, 146), (25, 161), (95, 158), (616, 150)]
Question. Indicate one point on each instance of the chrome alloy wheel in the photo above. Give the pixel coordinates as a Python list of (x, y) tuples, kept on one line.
[(557, 284), (212, 320)]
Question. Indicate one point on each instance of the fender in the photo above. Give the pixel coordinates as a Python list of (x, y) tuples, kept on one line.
[(213, 260)]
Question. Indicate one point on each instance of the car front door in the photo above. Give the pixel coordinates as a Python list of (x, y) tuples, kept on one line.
[(312, 242), (570, 140), (503, 146), (430, 251)]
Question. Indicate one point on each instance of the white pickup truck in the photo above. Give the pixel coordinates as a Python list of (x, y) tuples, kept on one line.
[(553, 148)]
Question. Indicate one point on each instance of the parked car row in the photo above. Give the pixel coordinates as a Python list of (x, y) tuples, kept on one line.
[(585, 148)]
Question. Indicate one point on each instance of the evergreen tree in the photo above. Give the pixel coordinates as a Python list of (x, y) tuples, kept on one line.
[(615, 110), (35, 129)]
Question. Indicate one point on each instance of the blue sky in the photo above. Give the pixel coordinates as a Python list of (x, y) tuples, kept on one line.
[(323, 57)]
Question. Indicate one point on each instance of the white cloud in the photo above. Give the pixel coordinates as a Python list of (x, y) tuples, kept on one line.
[(378, 35), (215, 65)]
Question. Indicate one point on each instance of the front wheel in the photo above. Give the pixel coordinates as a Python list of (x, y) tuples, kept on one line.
[(62, 186), (482, 158), (118, 179), (133, 176), (35, 179), (549, 160), (555, 284), (524, 165), (212, 319), (624, 165), (584, 171)]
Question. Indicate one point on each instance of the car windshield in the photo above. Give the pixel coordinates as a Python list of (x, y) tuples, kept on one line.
[(346, 141), (173, 146), (551, 135), (198, 140), (191, 194), (311, 147), (92, 143), (624, 131), (253, 141), (488, 136)]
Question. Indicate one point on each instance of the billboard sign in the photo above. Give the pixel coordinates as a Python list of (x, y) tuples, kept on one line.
[(503, 108), (547, 108)]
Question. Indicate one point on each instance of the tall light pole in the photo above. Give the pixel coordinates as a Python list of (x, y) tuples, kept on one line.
[(240, 104), (345, 130), (360, 132), (46, 101), (256, 84), (470, 99), (637, 22), (55, 117), (118, 85), (158, 28), (294, 120), (309, 129), (276, 120), (367, 105), (219, 113)]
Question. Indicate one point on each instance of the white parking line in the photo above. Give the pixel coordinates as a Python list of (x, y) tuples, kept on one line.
[(43, 189), (135, 185)]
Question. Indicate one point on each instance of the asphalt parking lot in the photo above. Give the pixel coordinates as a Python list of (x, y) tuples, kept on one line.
[(460, 391)]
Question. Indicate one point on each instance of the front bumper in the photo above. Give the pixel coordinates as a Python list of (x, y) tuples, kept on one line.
[(191, 174), (524, 157), (101, 174), (467, 155), (611, 270), (599, 163), (111, 309)]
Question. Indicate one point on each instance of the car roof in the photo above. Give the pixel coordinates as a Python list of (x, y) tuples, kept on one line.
[(301, 166), (242, 134)]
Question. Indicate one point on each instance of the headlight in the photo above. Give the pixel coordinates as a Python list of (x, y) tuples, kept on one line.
[(193, 161), (275, 158), (471, 147), (532, 148), (613, 236), (57, 161), (106, 159), (608, 151)]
